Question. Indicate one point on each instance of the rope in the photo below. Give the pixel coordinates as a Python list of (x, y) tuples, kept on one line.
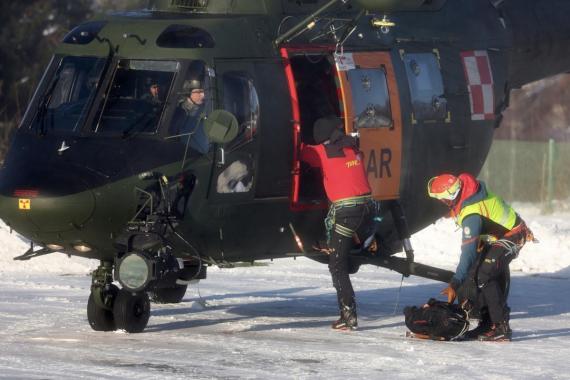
[(337, 205), (509, 246), (465, 328), (398, 297), (201, 300)]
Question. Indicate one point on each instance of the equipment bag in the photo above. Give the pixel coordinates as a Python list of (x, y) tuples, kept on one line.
[(437, 320)]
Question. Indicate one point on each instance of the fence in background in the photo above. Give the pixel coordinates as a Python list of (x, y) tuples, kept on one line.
[(529, 171)]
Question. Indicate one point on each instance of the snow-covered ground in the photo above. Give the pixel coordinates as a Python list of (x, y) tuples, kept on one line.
[(273, 321)]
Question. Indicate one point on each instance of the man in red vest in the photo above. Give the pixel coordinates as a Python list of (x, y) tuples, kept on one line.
[(351, 210)]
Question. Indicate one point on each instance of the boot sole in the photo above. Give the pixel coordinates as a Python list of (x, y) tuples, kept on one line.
[(498, 339), (345, 328)]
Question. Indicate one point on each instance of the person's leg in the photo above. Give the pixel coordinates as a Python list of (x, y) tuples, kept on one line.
[(347, 220), (491, 279), (470, 295), (338, 266)]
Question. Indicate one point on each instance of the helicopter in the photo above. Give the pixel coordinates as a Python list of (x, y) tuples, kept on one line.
[(101, 168)]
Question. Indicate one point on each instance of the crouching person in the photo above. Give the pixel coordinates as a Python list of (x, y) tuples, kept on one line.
[(493, 235)]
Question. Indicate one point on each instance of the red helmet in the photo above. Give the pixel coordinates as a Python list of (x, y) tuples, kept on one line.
[(445, 187)]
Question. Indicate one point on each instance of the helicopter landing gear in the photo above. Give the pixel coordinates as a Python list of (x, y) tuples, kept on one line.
[(109, 308), (101, 317), (131, 311), (190, 273), (169, 295), (101, 300), (146, 266)]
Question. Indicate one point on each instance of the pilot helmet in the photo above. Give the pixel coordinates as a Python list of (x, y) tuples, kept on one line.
[(445, 187), (195, 75), (191, 84), (324, 128)]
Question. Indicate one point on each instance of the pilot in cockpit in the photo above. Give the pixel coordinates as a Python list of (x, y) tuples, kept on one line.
[(190, 113), (152, 95)]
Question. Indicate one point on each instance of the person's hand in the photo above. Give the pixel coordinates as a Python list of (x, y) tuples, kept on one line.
[(450, 293)]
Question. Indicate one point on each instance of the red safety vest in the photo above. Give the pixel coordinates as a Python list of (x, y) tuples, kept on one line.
[(343, 177)]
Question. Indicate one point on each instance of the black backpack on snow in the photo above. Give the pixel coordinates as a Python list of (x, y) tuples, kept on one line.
[(437, 320)]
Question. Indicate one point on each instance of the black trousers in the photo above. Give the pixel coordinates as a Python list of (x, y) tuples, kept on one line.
[(358, 219), (492, 278)]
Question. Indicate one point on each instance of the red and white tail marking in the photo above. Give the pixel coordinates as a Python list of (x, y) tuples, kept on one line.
[(479, 78)]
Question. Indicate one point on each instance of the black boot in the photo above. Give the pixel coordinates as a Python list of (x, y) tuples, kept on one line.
[(483, 326), (499, 332), (347, 320)]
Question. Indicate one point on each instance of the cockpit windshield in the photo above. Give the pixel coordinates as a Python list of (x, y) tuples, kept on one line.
[(136, 98), (64, 104), (120, 97)]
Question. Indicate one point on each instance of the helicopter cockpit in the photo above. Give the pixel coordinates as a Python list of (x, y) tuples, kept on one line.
[(136, 97), (70, 85), (78, 95)]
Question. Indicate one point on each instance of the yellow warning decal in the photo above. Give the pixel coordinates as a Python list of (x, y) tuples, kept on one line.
[(24, 204)]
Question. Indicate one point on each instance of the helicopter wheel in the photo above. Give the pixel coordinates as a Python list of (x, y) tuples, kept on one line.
[(169, 295), (131, 311), (101, 318)]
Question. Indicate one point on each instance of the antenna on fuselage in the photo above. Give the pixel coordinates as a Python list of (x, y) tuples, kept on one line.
[(307, 23)]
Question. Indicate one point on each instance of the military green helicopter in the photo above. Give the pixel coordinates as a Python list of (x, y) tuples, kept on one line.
[(111, 161)]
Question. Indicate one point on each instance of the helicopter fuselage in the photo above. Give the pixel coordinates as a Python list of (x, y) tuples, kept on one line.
[(98, 156)]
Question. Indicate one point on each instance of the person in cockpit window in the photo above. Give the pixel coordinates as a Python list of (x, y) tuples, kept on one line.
[(152, 96), (190, 114)]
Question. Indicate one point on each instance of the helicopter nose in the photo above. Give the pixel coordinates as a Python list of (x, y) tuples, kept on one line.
[(31, 205)]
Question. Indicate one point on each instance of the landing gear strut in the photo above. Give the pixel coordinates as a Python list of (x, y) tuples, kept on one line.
[(144, 263)]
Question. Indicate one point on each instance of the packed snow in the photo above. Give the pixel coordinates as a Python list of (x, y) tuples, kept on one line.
[(272, 321)]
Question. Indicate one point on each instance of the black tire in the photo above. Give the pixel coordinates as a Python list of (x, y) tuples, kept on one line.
[(169, 295), (101, 319), (131, 311)]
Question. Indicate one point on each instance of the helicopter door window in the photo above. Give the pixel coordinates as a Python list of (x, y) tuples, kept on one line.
[(136, 98), (64, 105), (240, 98), (236, 177), (426, 86), (370, 98)]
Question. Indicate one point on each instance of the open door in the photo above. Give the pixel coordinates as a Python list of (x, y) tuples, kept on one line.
[(371, 107), (311, 74)]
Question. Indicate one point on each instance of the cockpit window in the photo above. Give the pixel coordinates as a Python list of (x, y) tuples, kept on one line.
[(185, 37), (64, 104), (136, 98)]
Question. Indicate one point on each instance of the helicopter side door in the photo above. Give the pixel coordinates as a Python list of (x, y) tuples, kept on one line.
[(251, 174), (235, 163), (371, 108)]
